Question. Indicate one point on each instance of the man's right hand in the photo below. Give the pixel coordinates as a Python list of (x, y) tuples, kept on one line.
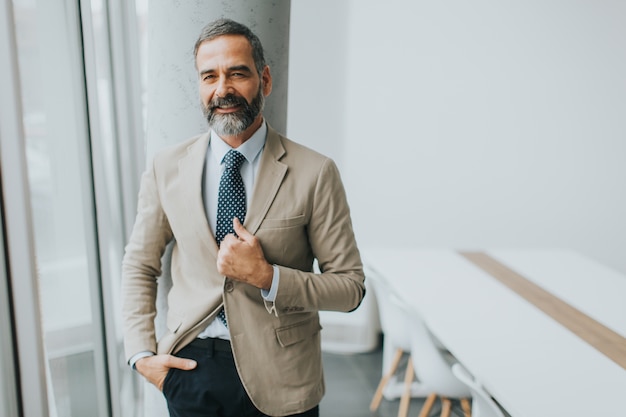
[(155, 368)]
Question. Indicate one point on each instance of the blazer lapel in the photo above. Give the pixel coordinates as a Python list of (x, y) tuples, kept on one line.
[(269, 177), (191, 168)]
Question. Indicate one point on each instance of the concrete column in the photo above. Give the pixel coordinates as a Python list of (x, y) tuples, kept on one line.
[(173, 104)]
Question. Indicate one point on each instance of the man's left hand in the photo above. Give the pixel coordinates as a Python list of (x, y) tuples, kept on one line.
[(242, 259)]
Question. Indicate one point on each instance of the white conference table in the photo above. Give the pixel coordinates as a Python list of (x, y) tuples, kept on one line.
[(529, 362)]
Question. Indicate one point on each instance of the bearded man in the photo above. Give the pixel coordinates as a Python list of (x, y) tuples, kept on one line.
[(248, 212)]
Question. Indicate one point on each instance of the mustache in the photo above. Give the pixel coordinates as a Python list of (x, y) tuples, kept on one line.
[(227, 101)]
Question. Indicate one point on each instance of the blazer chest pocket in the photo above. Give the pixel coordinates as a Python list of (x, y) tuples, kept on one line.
[(294, 333), (283, 223)]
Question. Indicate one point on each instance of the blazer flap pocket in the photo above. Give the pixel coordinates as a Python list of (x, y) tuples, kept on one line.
[(296, 332), (174, 321), (283, 223)]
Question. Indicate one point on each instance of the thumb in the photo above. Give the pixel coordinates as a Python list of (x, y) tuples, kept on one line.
[(181, 363), (241, 231)]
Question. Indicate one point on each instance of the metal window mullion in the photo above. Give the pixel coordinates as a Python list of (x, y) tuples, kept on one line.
[(9, 405)]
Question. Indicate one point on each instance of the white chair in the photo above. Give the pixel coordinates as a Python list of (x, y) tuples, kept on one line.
[(482, 403), (433, 366), (395, 327)]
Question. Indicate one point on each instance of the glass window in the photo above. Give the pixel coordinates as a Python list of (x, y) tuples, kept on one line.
[(60, 178)]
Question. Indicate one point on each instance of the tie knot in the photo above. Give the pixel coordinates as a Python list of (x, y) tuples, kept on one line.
[(233, 159)]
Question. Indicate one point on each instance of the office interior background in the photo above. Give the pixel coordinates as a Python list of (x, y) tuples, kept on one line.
[(455, 124)]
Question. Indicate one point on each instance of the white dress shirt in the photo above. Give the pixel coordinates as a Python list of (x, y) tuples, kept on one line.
[(252, 150)]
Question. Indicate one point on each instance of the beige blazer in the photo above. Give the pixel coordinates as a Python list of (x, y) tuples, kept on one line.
[(298, 212)]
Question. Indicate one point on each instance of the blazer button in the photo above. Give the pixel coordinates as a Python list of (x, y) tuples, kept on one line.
[(229, 286)]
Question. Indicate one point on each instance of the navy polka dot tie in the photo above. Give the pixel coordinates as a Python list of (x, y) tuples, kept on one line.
[(231, 201)]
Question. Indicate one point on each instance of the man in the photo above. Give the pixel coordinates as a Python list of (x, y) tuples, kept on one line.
[(248, 211)]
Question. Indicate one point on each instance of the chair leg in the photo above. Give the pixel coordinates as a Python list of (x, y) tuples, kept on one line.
[(465, 405), (378, 396), (446, 406), (428, 405), (406, 395)]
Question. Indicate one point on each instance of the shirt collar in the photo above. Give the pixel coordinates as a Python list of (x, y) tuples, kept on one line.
[(249, 149)]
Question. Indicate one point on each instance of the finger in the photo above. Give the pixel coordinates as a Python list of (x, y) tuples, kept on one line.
[(228, 241), (241, 231), (181, 363)]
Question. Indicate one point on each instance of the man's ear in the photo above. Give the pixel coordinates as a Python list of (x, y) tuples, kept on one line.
[(266, 79)]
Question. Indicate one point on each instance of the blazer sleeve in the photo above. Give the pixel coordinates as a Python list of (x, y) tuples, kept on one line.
[(141, 266), (340, 286)]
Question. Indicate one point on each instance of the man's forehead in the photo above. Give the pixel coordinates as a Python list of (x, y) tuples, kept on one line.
[(230, 50), (230, 42)]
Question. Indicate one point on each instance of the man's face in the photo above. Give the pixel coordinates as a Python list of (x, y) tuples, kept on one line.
[(231, 91)]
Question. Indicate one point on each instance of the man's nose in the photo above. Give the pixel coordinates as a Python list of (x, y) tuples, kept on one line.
[(224, 88)]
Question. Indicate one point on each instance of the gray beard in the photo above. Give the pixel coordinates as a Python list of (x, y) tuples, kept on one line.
[(234, 124)]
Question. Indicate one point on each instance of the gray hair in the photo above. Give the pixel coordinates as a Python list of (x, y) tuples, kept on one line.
[(223, 27)]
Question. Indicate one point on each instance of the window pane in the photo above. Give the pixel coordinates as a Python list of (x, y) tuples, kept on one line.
[(59, 172)]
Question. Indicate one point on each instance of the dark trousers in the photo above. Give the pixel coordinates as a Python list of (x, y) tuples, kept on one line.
[(213, 388)]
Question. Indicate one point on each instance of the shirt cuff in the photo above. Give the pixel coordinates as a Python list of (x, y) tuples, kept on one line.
[(133, 360), (271, 294)]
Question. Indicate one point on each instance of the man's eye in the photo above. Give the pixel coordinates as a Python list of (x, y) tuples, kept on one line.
[(208, 77)]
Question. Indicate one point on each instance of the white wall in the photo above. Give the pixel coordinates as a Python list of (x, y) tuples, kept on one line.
[(470, 124)]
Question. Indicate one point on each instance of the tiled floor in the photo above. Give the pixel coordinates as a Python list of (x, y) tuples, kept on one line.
[(351, 381)]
